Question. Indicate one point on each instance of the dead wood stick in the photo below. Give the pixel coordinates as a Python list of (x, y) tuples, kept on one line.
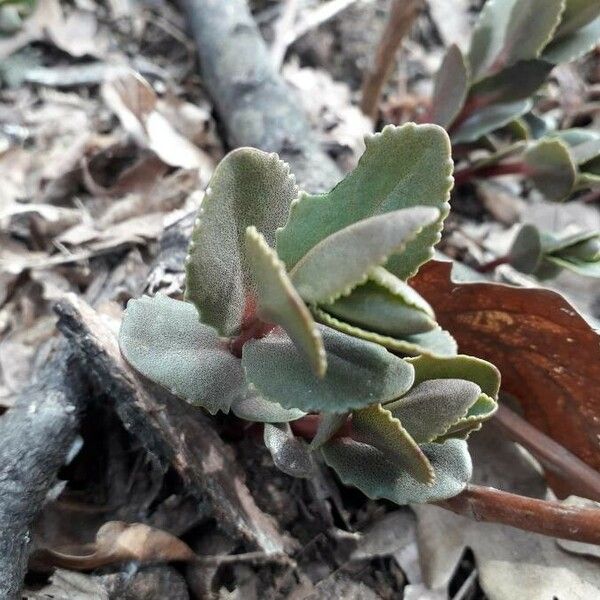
[(255, 105), (36, 435), (400, 20), (170, 428), (531, 514), (584, 480)]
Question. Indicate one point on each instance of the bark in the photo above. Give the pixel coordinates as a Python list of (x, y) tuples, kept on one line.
[(255, 105), (36, 435)]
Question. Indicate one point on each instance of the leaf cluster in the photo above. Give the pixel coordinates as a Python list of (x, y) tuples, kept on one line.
[(491, 91), (297, 314)]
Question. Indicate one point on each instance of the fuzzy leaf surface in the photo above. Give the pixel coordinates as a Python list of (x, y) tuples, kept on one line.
[(385, 305), (450, 87), (343, 260), (436, 342), (378, 427), (488, 119), (433, 406), (378, 476), (461, 366), (251, 406), (573, 45), (551, 168), (511, 30), (290, 454), (402, 167), (526, 252), (248, 187), (279, 302), (163, 339), (359, 373), (577, 14)]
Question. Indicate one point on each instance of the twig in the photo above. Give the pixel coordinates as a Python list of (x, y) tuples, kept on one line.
[(465, 175), (400, 20), (584, 480), (531, 514), (283, 29)]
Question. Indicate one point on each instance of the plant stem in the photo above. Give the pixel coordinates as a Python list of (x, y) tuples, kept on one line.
[(465, 175), (492, 505), (490, 266), (400, 20), (530, 514), (581, 478)]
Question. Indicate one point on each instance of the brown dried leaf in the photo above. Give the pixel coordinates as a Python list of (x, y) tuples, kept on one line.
[(549, 356), (116, 542)]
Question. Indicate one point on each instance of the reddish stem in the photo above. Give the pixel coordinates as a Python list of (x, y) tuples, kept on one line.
[(252, 328), (468, 173), (490, 266), (306, 427)]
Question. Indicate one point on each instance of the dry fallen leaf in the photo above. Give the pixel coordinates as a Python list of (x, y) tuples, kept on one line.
[(133, 100), (549, 356), (511, 563), (117, 542)]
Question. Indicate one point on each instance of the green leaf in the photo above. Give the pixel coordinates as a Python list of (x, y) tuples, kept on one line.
[(290, 454), (573, 45), (517, 82), (550, 167), (587, 269), (489, 119), (377, 427), (343, 260), (481, 411), (329, 425), (163, 339), (526, 251), (251, 406), (479, 371), (511, 30), (430, 408), (248, 187), (412, 167), (359, 373), (575, 136), (450, 87), (437, 342), (585, 247), (577, 14), (367, 468), (279, 302), (385, 305), (585, 152)]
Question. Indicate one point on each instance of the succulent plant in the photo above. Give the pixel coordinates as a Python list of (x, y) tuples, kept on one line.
[(544, 254), (490, 90), (297, 314)]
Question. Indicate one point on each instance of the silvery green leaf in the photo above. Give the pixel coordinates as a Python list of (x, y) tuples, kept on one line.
[(488, 119), (377, 476), (550, 167), (279, 302), (577, 14), (359, 373), (477, 370), (341, 261), (437, 341), (413, 168), (377, 427), (430, 408), (164, 340), (573, 45), (584, 247), (385, 305), (575, 136), (450, 87), (517, 82), (329, 424), (587, 269), (483, 409), (511, 30), (248, 187), (290, 454), (251, 406), (526, 251)]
